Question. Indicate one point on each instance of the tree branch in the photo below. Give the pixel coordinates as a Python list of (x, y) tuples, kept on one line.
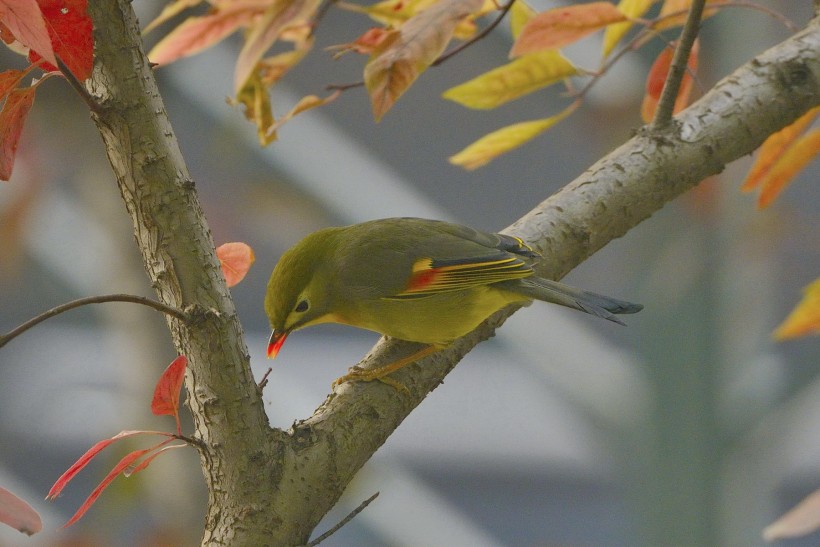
[(9, 336), (666, 104)]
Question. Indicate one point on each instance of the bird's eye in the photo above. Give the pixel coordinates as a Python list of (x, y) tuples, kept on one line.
[(302, 306)]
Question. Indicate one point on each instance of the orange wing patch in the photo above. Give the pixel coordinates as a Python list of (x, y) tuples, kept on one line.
[(431, 276)]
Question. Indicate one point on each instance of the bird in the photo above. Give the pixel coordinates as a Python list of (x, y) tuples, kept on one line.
[(415, 279)]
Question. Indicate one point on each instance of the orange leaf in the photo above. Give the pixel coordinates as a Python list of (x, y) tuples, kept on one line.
[(18, 514), (167, 390), (305, 103), (198, 33), (805, 318), (492, 145), (774, 147), (70, 29), (12, 118), (124, 463), (25, 21), (656, 79), (558, 27), (801, 520), (408, 51), (89, 455), (280, 16), (236, 259), (793, 160), (9, 80)]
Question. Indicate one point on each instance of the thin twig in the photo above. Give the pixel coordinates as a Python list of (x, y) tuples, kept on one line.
[(179, 314), (342, 522), (666, 104), (504, 9), (78, 86), (444, 56), (264, 381)]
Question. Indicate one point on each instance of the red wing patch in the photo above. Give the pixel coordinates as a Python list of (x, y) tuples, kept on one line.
[(434, 276)]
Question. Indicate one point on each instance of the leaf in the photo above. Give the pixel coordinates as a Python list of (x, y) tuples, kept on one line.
[(805, 318), (236, 258), (558, 27), (89, 455), (793, 160), (254, 97), (198, 33), (492, 145), (657, 76), (513, 80), (167, 390), (520, 14), (281, 15), (365, 44), (801, 520), (9, 80), (12, 119), (632, 9), (394, 13), (306, 103), (18, 514), (169, 12), (407, 52), (147, 461), (774, 147), (123, 464), (271, 69), (25, 21), (70, 29)]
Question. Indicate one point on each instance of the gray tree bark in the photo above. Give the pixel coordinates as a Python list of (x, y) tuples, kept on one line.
[(269, 486)]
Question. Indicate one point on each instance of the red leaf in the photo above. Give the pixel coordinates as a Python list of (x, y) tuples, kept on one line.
[(119, 468), (166, 394), (78, 466), (70, 30), (25, 21), (12, 118), (236, 259), (18, 514), (147, 461)]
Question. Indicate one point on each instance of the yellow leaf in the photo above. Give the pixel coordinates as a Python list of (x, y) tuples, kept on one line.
[(513, 80), (520, 14), (805, 318), (492, 145), (254, 97), (394, 13), (773, 148), (614, 33), (558, 27), (408, 51), (170, 11), (793, 160)]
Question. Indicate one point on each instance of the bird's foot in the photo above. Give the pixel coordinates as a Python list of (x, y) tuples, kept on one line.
[(358, 374)]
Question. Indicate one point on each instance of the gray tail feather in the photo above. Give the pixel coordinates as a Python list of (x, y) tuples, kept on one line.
[(585, 301)]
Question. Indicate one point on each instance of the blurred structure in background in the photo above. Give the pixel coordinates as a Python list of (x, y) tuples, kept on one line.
[(688, 427)]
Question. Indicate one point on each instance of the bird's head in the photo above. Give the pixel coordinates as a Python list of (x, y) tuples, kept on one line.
[(299, 291)]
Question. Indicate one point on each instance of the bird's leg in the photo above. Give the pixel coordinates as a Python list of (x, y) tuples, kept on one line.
[(356, 374)]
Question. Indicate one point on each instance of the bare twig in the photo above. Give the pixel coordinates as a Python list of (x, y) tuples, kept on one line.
[(504, 9), (179, 314), (342, 522), (666, 104), (264, 381), (78, 86)]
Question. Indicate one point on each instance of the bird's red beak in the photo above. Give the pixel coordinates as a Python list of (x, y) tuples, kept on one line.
[(277, 338)]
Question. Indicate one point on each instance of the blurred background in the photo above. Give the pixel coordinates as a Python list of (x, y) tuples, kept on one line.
[(688, 427)]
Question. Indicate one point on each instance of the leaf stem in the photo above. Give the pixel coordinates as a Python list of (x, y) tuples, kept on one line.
[(504, 9), (179, 314), (666, 104)]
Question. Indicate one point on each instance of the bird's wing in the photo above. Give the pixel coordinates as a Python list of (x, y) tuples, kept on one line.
[(431, 276)]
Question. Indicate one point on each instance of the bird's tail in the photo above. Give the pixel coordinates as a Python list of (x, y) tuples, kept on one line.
[(585, 301)]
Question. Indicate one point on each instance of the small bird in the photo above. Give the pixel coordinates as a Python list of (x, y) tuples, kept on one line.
[(415, 279)]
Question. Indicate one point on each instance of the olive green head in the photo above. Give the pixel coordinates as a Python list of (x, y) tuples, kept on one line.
[(298, 292)]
